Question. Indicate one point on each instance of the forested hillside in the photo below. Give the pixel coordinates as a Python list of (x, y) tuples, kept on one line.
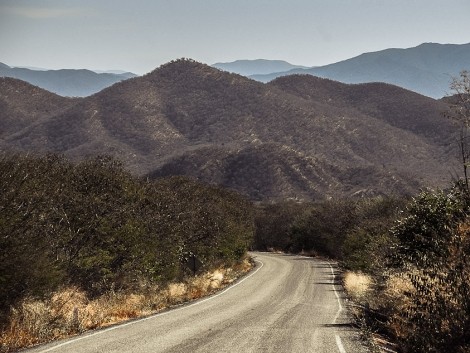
[(298, 137)]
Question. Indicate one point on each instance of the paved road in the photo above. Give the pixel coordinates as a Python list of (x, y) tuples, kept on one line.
[(288, 304)]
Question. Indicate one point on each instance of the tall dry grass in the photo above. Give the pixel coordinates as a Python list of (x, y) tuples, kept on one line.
[(375, 306), (357, 284), (69, 311)]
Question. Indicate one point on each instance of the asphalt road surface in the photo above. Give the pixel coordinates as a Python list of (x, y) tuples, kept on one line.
[(287, 304)]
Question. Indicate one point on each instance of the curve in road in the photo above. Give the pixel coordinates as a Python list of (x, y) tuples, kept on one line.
[(288, 304)]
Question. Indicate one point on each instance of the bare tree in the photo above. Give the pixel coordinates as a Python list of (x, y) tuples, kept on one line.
[(459, 111)]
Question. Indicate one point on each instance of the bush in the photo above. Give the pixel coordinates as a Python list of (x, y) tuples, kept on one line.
[(369, 243)]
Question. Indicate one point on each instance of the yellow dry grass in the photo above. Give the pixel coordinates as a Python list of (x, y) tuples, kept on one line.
[(397, 286), (176, 290), (357, 284)]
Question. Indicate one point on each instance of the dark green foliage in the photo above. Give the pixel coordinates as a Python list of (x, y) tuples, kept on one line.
[(27, 260), (273, 225), (96, 226), (298, 227), (354, 231), (369, 243), (429, 227), (323, 227)]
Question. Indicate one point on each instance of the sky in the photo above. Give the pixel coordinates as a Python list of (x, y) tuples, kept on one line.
[(140, 35)]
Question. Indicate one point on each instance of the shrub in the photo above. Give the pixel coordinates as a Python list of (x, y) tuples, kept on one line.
[(434, 251)]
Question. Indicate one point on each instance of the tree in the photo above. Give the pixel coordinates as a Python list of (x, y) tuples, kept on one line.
[(459, 111)]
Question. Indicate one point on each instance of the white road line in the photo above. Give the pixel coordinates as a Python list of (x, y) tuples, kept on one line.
[(340, 344), (340, 308), (171, 311)]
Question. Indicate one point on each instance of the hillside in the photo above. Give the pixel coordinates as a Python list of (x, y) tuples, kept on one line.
[(426, 69), (297, 137), (23, 105), (66, 82), (398, 107)]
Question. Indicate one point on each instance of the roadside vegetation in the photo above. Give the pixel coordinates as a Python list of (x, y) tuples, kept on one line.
[(85, 245), (406, 261)]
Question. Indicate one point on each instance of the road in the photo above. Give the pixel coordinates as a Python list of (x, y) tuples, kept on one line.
[(287, 304)]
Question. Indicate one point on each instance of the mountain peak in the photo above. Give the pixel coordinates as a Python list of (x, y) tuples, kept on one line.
[(434, 44), (180, 64), (178, 67)]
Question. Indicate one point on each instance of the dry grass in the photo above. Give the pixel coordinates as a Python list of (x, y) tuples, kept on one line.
[(357, 284), (370, 300), (396, 288), (69, 311)]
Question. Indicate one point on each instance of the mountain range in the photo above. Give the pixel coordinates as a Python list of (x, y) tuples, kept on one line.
[(298, 137), (66, 82), (426, 69)]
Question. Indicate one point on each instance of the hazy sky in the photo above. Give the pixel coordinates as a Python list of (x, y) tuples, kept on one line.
[(140, 35)]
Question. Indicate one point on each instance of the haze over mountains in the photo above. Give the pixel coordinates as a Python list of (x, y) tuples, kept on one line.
[(298, 137), (66, 82), (257, 67), (426, 69)]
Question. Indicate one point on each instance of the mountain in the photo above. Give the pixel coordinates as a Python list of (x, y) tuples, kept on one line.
[(256, 67), (298, 137), (67, 82), (24, 105), (426, 69), (126, 73)]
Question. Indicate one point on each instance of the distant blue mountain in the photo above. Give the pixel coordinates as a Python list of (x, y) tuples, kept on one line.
[(256, 67), (67, 82), (426, 69)]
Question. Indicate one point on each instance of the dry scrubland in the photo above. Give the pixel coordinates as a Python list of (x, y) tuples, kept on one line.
[(406, 261), (87, 245), (408, 258), (364, 298), (91, 232), (70, 311)]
